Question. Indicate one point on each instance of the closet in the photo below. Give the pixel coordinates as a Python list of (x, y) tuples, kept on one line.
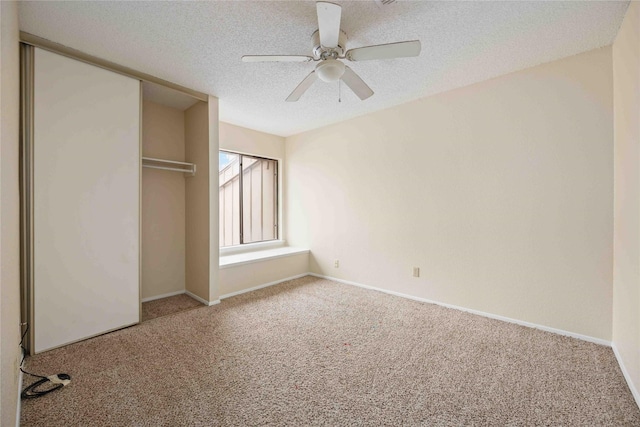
[(172, 154), (114, 189)]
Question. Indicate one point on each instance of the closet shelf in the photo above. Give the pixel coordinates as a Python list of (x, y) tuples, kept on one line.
[(169, 165)]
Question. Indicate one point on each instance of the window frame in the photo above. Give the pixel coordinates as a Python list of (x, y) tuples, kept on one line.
[(261, 243)]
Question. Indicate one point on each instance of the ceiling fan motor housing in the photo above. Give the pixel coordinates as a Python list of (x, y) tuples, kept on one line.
[(321, 52)]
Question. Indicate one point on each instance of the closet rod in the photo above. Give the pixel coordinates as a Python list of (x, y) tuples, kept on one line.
[(151, 159), (191, 170)]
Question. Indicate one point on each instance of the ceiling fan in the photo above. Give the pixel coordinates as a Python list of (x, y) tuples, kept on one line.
[(329, 49)]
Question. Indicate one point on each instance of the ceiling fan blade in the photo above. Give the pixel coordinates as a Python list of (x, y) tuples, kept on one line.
[(276, 58), (329, 23), (356, 84), (302, 87), (385, 51)]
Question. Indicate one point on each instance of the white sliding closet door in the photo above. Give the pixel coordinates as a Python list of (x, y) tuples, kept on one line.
[(86, 176)]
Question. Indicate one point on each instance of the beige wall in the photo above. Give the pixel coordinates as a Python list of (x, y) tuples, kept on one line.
[(626, 277), (248, 141), (500, 192), (163, 202), (214, 248), (9, 213), (246, 276), (197, 201)]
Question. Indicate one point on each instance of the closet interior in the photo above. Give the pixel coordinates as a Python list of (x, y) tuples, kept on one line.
[(172, 166)]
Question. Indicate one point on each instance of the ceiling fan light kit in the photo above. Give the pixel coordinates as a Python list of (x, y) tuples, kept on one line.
[(330, 70), (328, 50)]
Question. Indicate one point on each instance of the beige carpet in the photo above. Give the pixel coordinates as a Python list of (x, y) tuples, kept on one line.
[(315, 352), (170, 305)]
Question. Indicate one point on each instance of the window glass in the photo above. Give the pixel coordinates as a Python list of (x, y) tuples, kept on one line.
[(248, 199)]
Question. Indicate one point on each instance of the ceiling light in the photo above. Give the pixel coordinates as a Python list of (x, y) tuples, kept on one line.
[(330, 70)]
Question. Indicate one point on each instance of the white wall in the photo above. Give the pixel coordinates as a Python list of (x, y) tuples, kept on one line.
[(500, 192), (9, 212), (626, 277)]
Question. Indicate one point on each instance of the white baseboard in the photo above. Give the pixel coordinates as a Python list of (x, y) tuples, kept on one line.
[(468, 310), (170, 294), (264, 285), (625, 373), (202, 300), (19, 403)]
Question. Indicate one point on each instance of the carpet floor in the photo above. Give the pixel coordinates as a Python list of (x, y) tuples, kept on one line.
[(170, 305), (314, 352)]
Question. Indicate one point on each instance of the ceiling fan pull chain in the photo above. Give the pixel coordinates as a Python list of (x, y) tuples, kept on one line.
[(339, 90)]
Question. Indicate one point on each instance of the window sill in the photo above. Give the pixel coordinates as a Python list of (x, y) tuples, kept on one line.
[(251, 247), (234, 260)]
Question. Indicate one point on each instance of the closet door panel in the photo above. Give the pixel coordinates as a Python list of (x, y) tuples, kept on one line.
[(86, 200)]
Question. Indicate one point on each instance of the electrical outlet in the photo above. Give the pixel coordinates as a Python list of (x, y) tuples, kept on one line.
[(416, 271), (336, 263)]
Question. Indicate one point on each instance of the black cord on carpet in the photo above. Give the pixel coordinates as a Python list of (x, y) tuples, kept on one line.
[(52, 382)]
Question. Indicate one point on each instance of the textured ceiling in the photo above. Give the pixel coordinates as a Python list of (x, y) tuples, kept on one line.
[(166, 96), (199, 45)]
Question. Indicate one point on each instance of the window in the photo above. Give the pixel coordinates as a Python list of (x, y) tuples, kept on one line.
[(248, 199)]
